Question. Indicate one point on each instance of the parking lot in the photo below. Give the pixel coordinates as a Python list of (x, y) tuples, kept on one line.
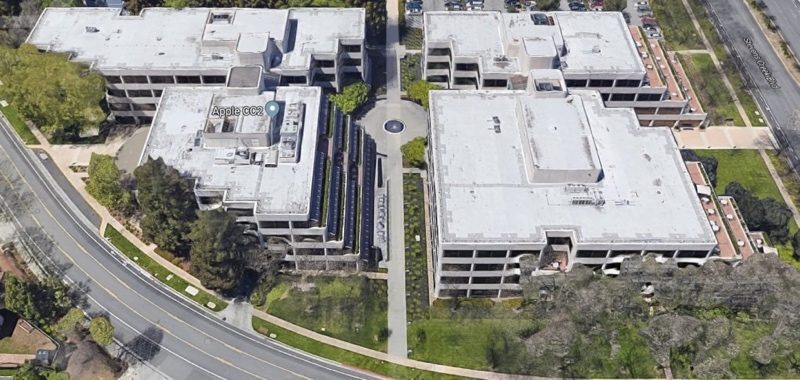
[(442, 5)]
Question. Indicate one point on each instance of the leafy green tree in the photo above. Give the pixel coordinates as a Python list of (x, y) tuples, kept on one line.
[(176, 3), (414, 152), (419, 91), (766, 215), (351, 97), (167, 203), (796, 245), (74, 318), (219, 250), (42, 303), (61, 97), (710, 164), (101, 330), (548, 5), (104, 184), (28, 371), (615, 5)]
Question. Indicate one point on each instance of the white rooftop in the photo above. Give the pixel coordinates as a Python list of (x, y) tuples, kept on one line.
[(188, 138), (588, 42), (484, 187), (193, 37)]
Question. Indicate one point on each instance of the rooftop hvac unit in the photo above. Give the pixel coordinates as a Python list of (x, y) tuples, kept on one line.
[(91, 29)]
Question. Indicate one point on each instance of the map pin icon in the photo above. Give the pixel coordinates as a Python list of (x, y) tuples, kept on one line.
[(273, 108)]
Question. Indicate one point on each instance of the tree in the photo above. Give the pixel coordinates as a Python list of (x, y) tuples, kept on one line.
[(167, 203), (351, 97), (42, 303), (219, 250), (615, 5), (101, 330), (61, 97), (28, 371), (419, 91), (548, 5), (414, 152), (69, 322), (104, 184), (766, 215), (796, 245)]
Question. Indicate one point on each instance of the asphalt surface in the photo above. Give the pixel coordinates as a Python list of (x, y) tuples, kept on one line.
[(773, 87), (174, 335), (786, 15)]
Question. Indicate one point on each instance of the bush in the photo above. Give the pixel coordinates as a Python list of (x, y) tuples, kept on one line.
[(104, 184), (351, 97), (414, 152), (766, 215), (419, 91), (101, 330)]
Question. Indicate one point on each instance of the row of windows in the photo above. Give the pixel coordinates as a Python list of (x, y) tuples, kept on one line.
[(603, 83), (134, 93), (132, 107), (455, 293), (181, 79), (483, 254), (479, 280), (134, 120)]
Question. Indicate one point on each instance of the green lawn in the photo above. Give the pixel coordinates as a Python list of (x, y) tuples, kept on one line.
[(416, 251), (412, 38), (674, 20), (347, 308), (748, 103), (746, 167), (345, 357), (710, 87), (158, 271), (18, 123)]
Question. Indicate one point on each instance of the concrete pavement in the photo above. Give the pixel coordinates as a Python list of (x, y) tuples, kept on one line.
[(725, 138)]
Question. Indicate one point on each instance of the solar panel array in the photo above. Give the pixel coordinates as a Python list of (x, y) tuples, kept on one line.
[(367, 254), (335, 187)]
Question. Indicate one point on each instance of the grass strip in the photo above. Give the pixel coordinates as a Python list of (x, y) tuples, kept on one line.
[(18, 123), (343, 356), (158, 271)]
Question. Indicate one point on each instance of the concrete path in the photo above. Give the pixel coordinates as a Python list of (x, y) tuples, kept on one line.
[(784, 193), (393, 171), (725, 138)]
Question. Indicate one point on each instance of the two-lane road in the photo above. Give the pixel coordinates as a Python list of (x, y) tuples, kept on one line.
[(774, 88), (175, 336)]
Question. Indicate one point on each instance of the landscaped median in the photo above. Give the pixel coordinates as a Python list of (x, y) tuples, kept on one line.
[(343, 356), (162, 274), (18, 123)]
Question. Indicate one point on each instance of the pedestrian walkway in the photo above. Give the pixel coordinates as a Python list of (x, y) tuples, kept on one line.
[(725, 138)]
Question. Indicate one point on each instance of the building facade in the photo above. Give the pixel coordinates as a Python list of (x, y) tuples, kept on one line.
[(594, 50), (141, 56), (269, 170), (553, 178)]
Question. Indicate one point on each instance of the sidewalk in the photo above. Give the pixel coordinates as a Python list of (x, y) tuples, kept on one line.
[(725, 138), (75, 179)]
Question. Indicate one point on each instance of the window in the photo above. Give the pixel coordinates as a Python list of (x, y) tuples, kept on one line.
[(113, 79), (145, 120), (162, 79), (648, 97), (467, 66), (591, 253), (438, 66), (486, 280), (644, 110), (324, 63), (669, 110), (117, 93), (157, 93), (500, 254), (140, 94), (454, 280), (214, 79), (134, 79), (437, 78), (456, 267), (453, 293), (601, 83), (512, 279), (466, 81), (119, 107), (576, 83), (520, 253), (604, 96), (325, 77), (488, 267), (125, 120), (623, 97), (495, 83), (293, 79), (438, 52), (187, 79), (266, 224), (483, 293), (144, 107), (628, 83), (694, 254), (625, 253), (452, 253), (352, 48)]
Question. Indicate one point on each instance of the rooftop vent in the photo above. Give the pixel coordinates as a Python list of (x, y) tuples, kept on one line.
[(596, 49), (496, 122), (539, 19), (91, 29)]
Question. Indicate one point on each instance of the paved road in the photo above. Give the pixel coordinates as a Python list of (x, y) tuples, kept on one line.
[(175, 336), (787, 17), (773, 87)]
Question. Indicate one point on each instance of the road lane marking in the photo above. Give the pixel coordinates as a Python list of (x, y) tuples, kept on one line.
[(102, 244)]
